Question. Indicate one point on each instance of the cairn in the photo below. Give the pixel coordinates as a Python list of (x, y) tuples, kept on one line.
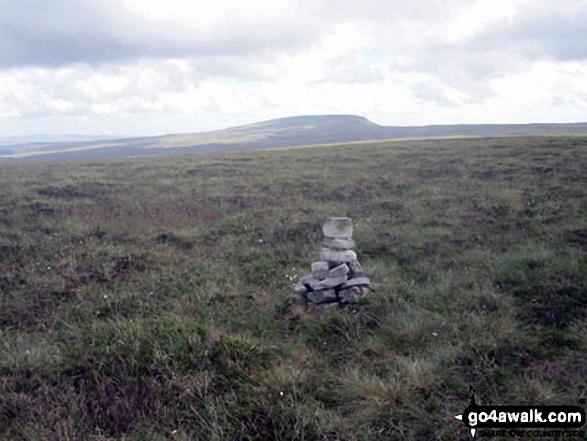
[(338, 277)]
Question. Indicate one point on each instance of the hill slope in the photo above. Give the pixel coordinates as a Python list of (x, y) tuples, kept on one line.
[(283, 132), (144, 298)]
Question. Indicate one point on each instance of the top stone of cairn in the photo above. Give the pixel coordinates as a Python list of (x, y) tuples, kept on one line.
[(338, 227)]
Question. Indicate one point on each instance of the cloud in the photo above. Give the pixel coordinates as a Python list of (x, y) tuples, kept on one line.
[(537, 30), (149, 66), (54, 33), (59, 32)]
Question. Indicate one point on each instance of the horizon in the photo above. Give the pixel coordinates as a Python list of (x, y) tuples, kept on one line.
[(148, 68), (60, 137), (297, 131)]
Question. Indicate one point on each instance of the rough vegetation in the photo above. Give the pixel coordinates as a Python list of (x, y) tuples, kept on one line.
[(145, 298)]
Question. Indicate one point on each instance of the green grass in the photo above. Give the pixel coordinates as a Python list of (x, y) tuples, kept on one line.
[(145, 298)]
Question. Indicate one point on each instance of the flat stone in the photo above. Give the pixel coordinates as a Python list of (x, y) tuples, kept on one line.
[(320, 270), (329, 282), (307, 282), (365, 289), (340, 270), (322, 296), (357, 282), (338, 227), (300, 289), (350, 295), (306, 278), (337, 256), (339, 244), (356, 270)]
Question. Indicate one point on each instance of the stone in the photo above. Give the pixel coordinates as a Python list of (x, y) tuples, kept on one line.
[(356, 270), (337, 256), (300, 289), (322, 296), (336, 227), (333, 264), (340, 270), (350, 295), (337, 281), (329, 282), (339, 244), (320, 270), (366, 289), (356, 282), (305, 279)]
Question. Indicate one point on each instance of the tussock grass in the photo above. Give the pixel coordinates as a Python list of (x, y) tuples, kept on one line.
[(144, 298)]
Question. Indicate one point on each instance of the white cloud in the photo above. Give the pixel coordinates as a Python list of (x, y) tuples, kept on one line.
[(148, 67), (477, 16), (541, 90)]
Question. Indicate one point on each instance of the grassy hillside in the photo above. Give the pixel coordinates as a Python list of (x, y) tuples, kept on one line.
[(144, 298), (283, 132)]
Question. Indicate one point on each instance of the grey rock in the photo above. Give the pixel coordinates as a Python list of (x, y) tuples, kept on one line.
[(339, 244), (320, 270), (350, 295), (329, 282), (337, 256), (322, 296), (366, 289), (357, 282), (307, 282), (300, 289), (356, 270), (340, 270), (338, 227), (306, 278), (342, 244)]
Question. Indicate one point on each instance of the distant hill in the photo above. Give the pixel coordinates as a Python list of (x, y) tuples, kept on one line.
[(277, 133), (49, 139)]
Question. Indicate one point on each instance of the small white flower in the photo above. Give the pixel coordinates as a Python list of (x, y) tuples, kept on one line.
[(281, 393), (435, 334), (105, 296)]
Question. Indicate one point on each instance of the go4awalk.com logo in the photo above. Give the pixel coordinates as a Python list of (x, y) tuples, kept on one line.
[(523, 421)]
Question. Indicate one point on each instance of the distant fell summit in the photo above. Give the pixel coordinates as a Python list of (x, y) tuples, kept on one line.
[(319, 120), (293, 131), (308, 129)]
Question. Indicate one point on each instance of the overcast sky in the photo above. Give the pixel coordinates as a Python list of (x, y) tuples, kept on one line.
[(147, 67)]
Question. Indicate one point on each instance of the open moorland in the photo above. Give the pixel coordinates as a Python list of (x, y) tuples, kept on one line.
[(287, 132), (144, 298)]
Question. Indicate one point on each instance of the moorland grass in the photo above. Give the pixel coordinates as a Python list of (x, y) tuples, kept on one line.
[(145, 298)]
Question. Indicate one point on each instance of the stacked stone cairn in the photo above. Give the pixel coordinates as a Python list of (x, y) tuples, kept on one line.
[(338, 277)]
